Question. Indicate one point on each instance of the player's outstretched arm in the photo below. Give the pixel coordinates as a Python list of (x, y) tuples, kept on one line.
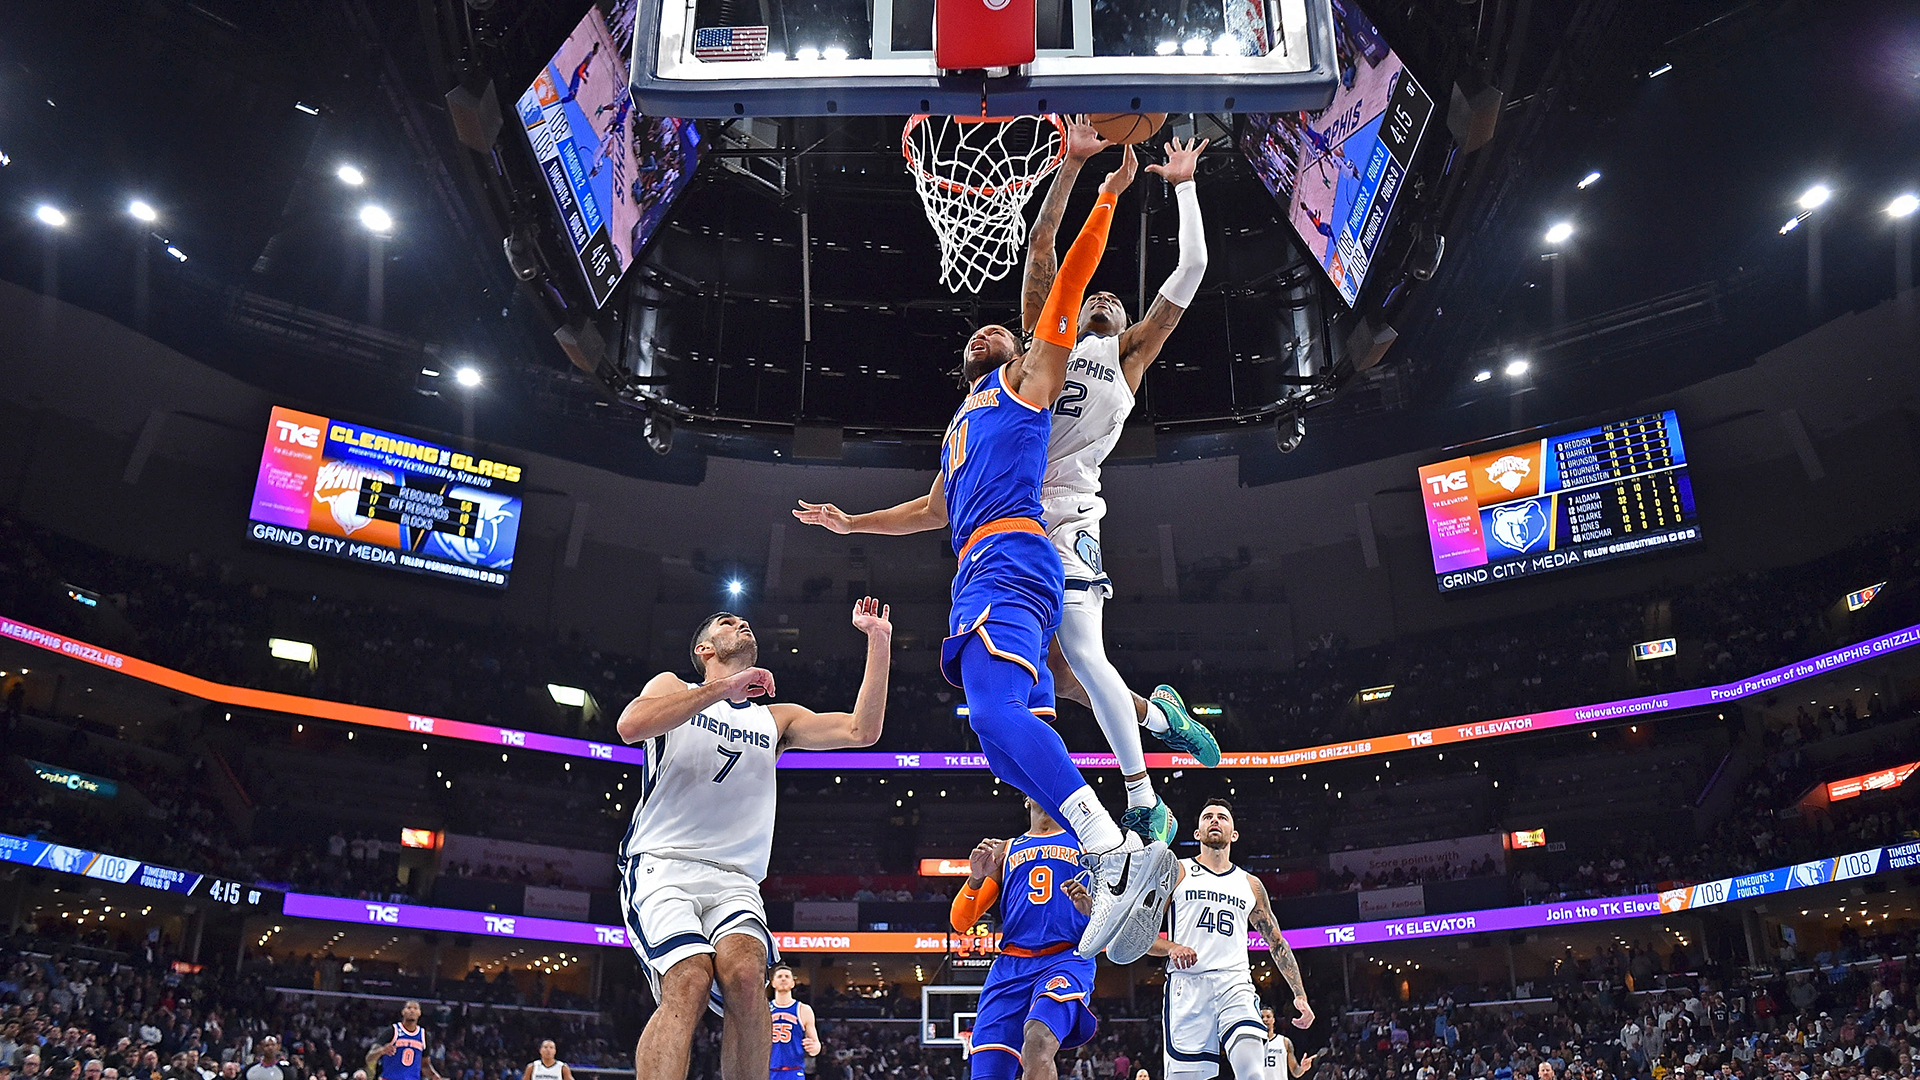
[(1298, 1066), (985, 864), (1140, 343), (1282, 953), (810, 1043), (923, 514), (1038, 376), (1178, 956), (1082, 143), (803, 729), (666, 702)]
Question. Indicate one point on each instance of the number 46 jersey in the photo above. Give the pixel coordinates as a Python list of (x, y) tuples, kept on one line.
[(1209, 915), (707, 790)]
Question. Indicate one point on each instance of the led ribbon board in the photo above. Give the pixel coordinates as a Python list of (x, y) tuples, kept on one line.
[(146, 875), (365, 716)]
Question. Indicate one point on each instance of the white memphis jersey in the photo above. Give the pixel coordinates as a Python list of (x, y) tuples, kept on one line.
[(555, 1071), (1092, 407), (1278, 1049), (1209, 915), (707, 790)]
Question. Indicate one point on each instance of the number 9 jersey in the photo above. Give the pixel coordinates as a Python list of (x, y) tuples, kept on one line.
[(1034, 909)]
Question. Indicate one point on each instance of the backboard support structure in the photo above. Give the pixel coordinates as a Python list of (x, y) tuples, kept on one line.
[(946, 1016), (695, 58)]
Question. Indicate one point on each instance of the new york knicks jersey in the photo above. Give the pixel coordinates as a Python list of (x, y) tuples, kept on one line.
[(403, 1063), (1093, 406), (1034, 909), (707, 790), (993, 456), (788, 1050), (1209, 915)]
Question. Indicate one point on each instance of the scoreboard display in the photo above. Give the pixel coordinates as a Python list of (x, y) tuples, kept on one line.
[(351, 492), (1587, 496)]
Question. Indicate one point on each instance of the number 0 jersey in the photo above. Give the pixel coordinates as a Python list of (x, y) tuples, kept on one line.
[(1034, 909), (408, 1048), (707, 790), (1209, 915), (993, 456), (1093, 406)]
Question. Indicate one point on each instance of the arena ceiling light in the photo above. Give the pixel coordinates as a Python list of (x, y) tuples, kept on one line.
[(1904, 205), (141, 210), (50, 215), (1815, 197), (571, 696), (1517, 368), (1792, 224), (468, 377), (1482, 376), (735, 587), (350, 175), (1588, 180), (376, 219), (300, 652), (1560, 232)]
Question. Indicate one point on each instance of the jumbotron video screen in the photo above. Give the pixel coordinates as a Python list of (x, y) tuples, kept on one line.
[(1587, 496), (342, 490)]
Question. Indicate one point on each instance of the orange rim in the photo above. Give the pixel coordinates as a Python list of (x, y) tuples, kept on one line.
[(917, 119)]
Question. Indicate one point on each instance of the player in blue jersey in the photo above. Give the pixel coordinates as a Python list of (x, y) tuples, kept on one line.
[(795, 1039), (1007, 590), (1035, 1001), (401, 1054), (581, 73)]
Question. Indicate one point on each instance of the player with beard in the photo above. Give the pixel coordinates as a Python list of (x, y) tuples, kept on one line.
[(1212, 1009), (1280, 1055), (1007, 588), (692, 861)]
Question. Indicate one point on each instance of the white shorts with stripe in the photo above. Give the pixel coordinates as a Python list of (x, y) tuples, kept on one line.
[(678, 908), (1203, 1014), (1073, 524)]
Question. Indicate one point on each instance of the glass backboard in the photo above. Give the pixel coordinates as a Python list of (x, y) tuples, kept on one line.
[(723, 58)]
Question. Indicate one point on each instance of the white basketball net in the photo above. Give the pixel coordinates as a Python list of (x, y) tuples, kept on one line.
[(974, 177)]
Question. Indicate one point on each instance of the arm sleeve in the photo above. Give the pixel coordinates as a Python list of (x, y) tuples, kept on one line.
[(1062, 313), (969, 905), (1184, 282)]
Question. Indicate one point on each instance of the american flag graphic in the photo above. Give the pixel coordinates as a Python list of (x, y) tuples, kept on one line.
[(730, 42)]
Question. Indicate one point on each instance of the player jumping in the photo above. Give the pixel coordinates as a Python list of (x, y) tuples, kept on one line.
[(1103, 375), (1211, 1005), (1034, 1003), (692, 861), (1006, 593), (581, 73), (795, 1039)]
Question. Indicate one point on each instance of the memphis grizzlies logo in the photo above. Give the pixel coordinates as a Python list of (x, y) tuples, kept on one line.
[(1087, 547), (492, 543), (1818, 872), (1518, 527)]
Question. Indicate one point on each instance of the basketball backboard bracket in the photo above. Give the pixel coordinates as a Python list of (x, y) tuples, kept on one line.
[(1244, 56)]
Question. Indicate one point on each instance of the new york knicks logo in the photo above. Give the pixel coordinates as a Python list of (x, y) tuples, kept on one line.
[(1088, 548), (1520, 526), (1058, 982), (1509, 471)]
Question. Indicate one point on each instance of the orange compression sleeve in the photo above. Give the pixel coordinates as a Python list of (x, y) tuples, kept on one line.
[(970, 904), (1062, 313)]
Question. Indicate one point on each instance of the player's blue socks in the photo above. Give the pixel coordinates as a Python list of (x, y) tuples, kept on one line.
[(1022, 749)]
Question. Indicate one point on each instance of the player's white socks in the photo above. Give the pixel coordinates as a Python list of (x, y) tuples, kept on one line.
[(1155, 720), (1084, 643), (1140, 793), (1092, 824), (1248, 1055)]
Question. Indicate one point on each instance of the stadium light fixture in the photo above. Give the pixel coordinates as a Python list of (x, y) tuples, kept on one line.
[(1167, 48), (50, 215), (376, 219), (735, 587), (175, 251), (301, 106), (1517, 368), (1792, 224), (1904, 205), (833, 52), (1560, 232), (1588, 180), (141, 210), (1815, 197), (571, 696), (1659, 71), (299, 652), (350, 175), (1195, 47), (806, 52), (468, 377), (1482, 376)]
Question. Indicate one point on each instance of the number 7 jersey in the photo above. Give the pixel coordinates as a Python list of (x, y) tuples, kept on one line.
[(1209, 915), (706, 791)]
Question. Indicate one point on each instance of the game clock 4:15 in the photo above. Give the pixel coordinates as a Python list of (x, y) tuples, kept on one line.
[(235, 893)]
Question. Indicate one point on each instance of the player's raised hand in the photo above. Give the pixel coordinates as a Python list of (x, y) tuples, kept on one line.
[(1078, 894), (1305, 1019), (752, 683), (1181, 956), (1183, 157), (985, 858), (825, 515), (872, 617), (1082, 141), (1118, 180)]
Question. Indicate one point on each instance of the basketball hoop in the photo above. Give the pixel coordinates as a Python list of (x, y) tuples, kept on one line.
[(975, 175)]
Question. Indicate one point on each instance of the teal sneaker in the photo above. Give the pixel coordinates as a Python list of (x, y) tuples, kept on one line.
[(1154, 822), (1184, 733)]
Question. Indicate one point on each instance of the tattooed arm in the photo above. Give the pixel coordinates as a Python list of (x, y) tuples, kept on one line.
[(1283, 958), (1042, 260)]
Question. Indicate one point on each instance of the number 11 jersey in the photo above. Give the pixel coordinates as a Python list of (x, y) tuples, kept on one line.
[(1209, 915), (707, 790)]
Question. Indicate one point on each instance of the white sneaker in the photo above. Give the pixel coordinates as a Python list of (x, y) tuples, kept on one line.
[(1130, 894)]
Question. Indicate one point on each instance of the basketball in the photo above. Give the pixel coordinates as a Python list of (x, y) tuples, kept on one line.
[(1127, 128)]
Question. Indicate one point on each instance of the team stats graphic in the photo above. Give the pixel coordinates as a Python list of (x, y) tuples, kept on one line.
[(1587, 496), (351, 492)]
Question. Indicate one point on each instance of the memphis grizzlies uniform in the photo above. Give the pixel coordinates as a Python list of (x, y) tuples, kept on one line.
[(1213, 1002), (692, 860), (1093, 406), (789, 1059), (1007, 588), (403, 1063), (555, 1071), (1037, 975)]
